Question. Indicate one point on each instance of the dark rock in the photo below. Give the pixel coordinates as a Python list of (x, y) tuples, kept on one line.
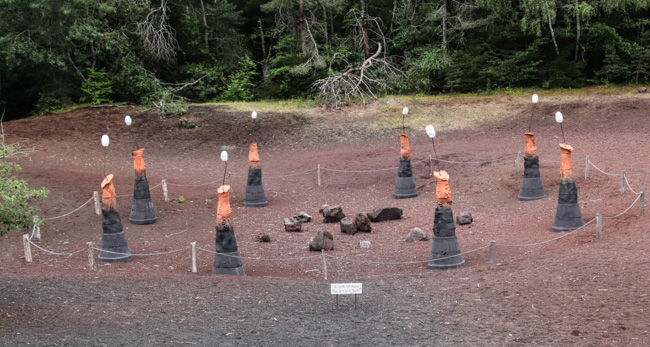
[(323, 240), (417, 234), (332, 214), (292, 225), (303, 217), (362, 223), (384, 214), (262, 237), (347, 226), (464, 218)]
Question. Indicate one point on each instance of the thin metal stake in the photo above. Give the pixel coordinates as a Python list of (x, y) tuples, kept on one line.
[(587, 168), (642, 201), (318, 174)]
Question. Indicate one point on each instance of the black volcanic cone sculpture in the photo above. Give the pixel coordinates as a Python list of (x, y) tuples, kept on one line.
[(531, 184), (227, 261), (568, 215), (114, 246), (254, 196), (404, 184), (142, 211), (445, 250)]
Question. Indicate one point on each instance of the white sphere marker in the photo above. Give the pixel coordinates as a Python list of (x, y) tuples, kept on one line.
[(431, 132), (105, 140), (558, 117)]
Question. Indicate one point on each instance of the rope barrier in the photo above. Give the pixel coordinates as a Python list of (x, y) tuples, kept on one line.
[(627, 209), (71, 212), (55, 253), (256, 258), (628, 185), (142, 254), (406, 262), (603, 172), (293, 174), (547, 241)]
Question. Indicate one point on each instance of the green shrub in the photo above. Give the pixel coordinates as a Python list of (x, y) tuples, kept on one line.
[(97, 88)]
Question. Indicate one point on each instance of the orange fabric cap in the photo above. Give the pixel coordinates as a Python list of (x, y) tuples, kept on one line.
[(138, 161), (566, 167), (109, 202), (531, 149), (223, 206), (404, 152), (443, 192), (253, 157)]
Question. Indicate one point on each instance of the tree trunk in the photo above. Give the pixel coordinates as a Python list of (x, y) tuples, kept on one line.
[(205, 26), (550, 26), (444, 25), (303, 40), (364, 26), (265, 65), (578, 30)]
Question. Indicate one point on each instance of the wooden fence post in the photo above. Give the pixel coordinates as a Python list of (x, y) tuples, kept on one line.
[(623, 180), (193, 253), (587, 168), (322, 252), (642, 200), (28, 248), (493, 254), (599, 226), (91, 256), (36, 229), (165, 191), (98, 203), (518, 161), (318, 173)]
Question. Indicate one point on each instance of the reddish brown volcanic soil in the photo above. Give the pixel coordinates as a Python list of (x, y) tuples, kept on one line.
[(572, 291)]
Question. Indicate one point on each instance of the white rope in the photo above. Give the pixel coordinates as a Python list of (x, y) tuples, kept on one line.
[(406, 262), (547, 241), (142, 254), (375, 170), (71, 212), (193, 185), (627, 209), (293, 174), (257, 258), (55, 253), (628, 185), (603, 172)]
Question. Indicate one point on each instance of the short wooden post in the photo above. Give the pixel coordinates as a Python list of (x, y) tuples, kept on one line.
[(98, 203), (493, 254), (642, 201), (587, 168), (28, 248), (430, 166), (599, 226), (36, 229), (318, 173), (518, 161), (165, 191), (91, 256), (623, 180), (193, 252), (322, 252)]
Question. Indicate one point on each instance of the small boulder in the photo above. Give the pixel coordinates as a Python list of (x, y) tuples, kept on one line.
[(365, 244), (262, 237), (323, 240), (347, 226), (362, 223), (303, 217), (332, 214), (416, 234), (292, 225), (384, 214), (643, 90), (464, 218)]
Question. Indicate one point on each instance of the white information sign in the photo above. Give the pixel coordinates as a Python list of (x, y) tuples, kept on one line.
[(346, 288)]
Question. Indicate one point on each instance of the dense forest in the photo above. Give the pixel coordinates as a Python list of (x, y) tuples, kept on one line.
[(166, 53)]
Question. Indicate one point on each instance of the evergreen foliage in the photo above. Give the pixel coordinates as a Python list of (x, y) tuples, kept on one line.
[(56, 52)]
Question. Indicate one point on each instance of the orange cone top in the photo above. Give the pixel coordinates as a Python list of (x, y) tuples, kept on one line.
[(566, 168), (443, 192), (253, 156), (224, 212), (138, 162), (109, 202), (405, 151), (531, 149)]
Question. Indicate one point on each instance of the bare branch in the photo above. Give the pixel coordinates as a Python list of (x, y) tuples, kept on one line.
[(158, 35)]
